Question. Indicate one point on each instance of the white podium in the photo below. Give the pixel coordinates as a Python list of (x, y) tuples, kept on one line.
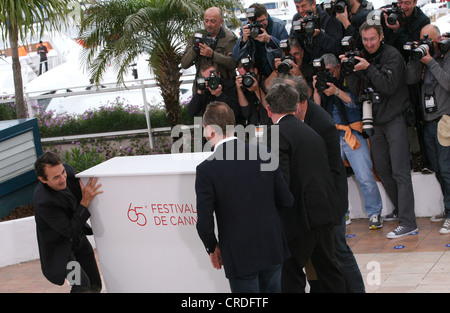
[(144, 226)]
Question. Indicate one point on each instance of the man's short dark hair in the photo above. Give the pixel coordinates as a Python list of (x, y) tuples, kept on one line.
[(282, 98), (48, 158), (220, 114), (260, 9), (365, 26)]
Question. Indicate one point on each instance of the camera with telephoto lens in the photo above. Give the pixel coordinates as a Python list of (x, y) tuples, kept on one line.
[(323, 76), (368, 98), (419, 51), (285, 65), (204, 39), (247, 78), (348, 42), (444, 45), (255, 26), (339, 6)]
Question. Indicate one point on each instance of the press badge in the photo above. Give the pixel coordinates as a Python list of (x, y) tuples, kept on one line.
[(430, 104)]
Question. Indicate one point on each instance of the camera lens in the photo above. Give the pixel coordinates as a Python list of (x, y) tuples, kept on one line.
[(247, 80), (420, 51), (392, 19), (284, 67)]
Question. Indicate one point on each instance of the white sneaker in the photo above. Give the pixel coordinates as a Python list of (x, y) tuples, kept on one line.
[(446, 227), (401, 231)]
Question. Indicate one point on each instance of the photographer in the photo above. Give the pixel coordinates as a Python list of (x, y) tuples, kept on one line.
[(214, 44), (211, 86), (407, 27), (352, 14), (383, 69), (260, 39), (318, 32), (292, 63), (251, 95), (430, 67), (346, 113)]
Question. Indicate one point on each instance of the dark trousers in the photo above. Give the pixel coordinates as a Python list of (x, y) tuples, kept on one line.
[(318, 244), (266, 281), (390, 154), (89, 279), (40, 66)]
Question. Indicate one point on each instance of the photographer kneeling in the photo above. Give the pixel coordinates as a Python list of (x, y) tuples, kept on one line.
[(330, 92), (211, 86)]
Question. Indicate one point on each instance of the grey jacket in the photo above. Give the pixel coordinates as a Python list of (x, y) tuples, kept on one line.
[(438, 84)]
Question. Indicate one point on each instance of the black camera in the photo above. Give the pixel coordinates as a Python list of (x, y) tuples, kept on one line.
[(368, 98), (255, 27), (213, 81), (420, 50), (444, 45), (323, 76), (339, 6), (204, 39), (247, 78), (307, 25), (394, 14), (348, 42), (285, 65)]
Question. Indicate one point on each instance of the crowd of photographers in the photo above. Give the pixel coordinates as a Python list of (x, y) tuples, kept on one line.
[(376, 72)]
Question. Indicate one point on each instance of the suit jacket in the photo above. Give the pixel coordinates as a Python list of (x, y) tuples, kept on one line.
[(60, 225), (245, 201), (304, 162), (322, 123)]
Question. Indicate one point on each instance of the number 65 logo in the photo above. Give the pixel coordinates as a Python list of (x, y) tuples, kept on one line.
[(135, 216)]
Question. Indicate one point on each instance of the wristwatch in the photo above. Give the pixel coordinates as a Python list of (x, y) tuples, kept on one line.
[(337, 93)]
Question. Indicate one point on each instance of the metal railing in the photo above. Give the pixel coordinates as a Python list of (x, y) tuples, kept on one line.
[(33, 96)]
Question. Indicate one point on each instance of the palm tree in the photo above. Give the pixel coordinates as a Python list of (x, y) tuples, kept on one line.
[(20, 18), (116, 32)]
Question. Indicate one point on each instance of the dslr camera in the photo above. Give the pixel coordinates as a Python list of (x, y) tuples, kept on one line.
[(213, 82), (348, 42), (285, 65), (255, 27), (419, 51), (444, 45), (247, 78), (332, 7), (368, 98), (307, 25), (394, 14), (204, 39), (323, 75)]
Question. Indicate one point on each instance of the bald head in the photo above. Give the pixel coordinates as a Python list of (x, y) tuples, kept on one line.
[(213, 20), (432, 31)]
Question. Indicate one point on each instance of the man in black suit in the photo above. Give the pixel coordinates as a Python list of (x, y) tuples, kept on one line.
[(233, 185), (322, 123), (309, 227), (60, 202)]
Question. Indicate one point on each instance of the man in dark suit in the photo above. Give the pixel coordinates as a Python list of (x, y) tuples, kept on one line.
[(309, 227), (60, 202), (322, 123), (233, 185)]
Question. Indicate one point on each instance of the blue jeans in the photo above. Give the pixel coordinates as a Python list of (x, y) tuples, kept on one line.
[(361, 164), (266, 281), (439, 158)]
